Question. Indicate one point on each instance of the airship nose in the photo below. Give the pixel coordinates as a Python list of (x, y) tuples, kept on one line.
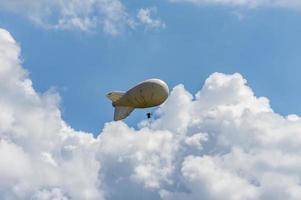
[(161, 83), (165, 86)]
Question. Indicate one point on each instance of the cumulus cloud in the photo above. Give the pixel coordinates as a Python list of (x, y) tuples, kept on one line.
[(111, 15), (40, 155), (222, 143), (295, 4)]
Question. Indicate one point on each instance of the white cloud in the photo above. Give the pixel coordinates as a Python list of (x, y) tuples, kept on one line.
[(295, 4), (145, 18), (34, 140), (222, 143), (50, 195), (111, 15), (205, 177)]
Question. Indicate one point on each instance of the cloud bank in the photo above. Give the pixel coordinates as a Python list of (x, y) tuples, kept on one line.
[(222, 143), (294, 4), (110, 15)]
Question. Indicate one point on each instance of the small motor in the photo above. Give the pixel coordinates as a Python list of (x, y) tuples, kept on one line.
[(149, 115)]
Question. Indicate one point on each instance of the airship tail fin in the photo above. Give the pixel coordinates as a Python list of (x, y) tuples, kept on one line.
[(122, 112), (115, 96)]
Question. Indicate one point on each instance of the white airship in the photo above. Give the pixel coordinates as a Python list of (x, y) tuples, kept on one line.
[(149, 93)]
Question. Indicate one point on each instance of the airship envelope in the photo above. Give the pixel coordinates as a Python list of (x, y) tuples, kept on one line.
[(149, 93)]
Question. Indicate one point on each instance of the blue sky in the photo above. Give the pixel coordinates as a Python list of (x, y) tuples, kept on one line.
[(263, 44)]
